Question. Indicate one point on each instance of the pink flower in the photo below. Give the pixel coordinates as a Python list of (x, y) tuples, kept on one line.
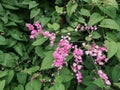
[(35, 33), (61, 53), (74, 67), (79, 77), (77, 53), (85, 27), (97, 52), (39, 27), (104, 77), (52, 38), (46, 34), (77, 65), (30, 26)]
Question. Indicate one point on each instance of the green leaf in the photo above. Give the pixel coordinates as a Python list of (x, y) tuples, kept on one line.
[(59, 9), (2, 84), (43, 20), (39, 51), (34, 12), (32, 4), (96, 2), (5, 18), (111, 36), (56, 26), (95, 18), (1, 10), (9, 76), (60, 86), (87, 80), (117, 19), (80, 19), (65, 76), (116, 73), (109, 10), (92, 87), (56, 86), (3, 41), (33, 85), (68, 58), (51, 88), (31, 70), (7, 59), (19, 48), (47, 61), (10, 2), (11, 24), (88, 1), (39, 41), (88, 38), (19, 87), (11, 42), (88, 61), (112, 48), (99, 82), (84, 12), (71, 7), (10, 7), (109, 23), (16, 34), (21, 77), (111, 2), (1, 27), (117, 85), (118, 52), (49, 25), (3, 73), (95, 35)]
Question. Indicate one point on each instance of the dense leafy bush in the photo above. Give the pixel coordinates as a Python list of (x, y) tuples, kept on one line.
[(76, 46)]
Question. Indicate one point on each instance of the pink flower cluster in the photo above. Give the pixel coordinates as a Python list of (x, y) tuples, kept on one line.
[(61, 52), (80, 27), (104, 77), (64, 46), (97, 52), (35, 33), (77, 65)]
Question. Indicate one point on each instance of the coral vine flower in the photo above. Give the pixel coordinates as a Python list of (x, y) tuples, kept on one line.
[(77, 65), (80, 27), (35, 33), (104, 77), (61, 53), (97, 52)]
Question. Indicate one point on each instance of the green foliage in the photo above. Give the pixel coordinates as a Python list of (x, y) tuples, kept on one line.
[(109, 23), (115, 73), (19, 87), (95, 18), (47, 61), (33, 85), (109, 10), (25, 63), (39, 41), (71, 7), (84, 12), (111, 50), (2, 84)]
